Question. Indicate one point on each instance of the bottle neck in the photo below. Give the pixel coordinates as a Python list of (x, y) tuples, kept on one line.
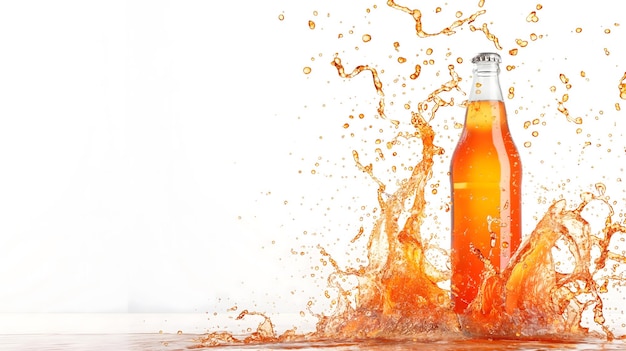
[(486, 83)]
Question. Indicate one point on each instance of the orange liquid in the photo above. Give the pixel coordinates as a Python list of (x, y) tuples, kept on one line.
[(486, 177), (501, 288)]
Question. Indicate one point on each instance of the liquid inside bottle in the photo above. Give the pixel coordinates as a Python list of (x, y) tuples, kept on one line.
[(486, 187)]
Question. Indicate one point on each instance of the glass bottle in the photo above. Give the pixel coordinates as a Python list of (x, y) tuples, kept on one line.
[(486, 175)]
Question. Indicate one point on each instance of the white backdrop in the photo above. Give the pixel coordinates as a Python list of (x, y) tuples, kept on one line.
[(156, 156)]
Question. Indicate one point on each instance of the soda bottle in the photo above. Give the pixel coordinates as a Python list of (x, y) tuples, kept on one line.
[(486, 175)]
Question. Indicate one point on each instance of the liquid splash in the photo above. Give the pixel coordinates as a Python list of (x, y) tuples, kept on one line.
[(530, 298), (399, 293), (622, 87), (417, 17)]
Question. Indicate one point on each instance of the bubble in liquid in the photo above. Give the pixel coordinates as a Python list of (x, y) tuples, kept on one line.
[(281, 17), (607, 52), (306, 70), (579, 30), (366, 38)]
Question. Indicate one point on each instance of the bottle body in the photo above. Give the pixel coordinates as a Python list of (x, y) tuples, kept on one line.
[(486, 179)]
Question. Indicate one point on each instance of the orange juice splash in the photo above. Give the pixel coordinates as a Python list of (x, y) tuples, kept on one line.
[(622, 87), (399, 293), (531, 299), (417, 17)]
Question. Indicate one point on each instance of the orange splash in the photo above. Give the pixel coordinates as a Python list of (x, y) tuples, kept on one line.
[(398, 295), (622, 87), (488, 34), (416, 74), (530, 298), (532, 17), (417, 17)]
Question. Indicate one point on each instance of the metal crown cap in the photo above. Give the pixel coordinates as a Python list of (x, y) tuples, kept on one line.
[(487, 57)]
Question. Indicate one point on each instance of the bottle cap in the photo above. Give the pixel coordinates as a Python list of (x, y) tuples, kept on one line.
[(487, 57)]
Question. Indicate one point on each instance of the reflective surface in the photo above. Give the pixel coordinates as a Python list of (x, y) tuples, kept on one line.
[(71, 342)]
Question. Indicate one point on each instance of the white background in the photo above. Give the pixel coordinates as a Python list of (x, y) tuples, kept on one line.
[(156, 156)]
